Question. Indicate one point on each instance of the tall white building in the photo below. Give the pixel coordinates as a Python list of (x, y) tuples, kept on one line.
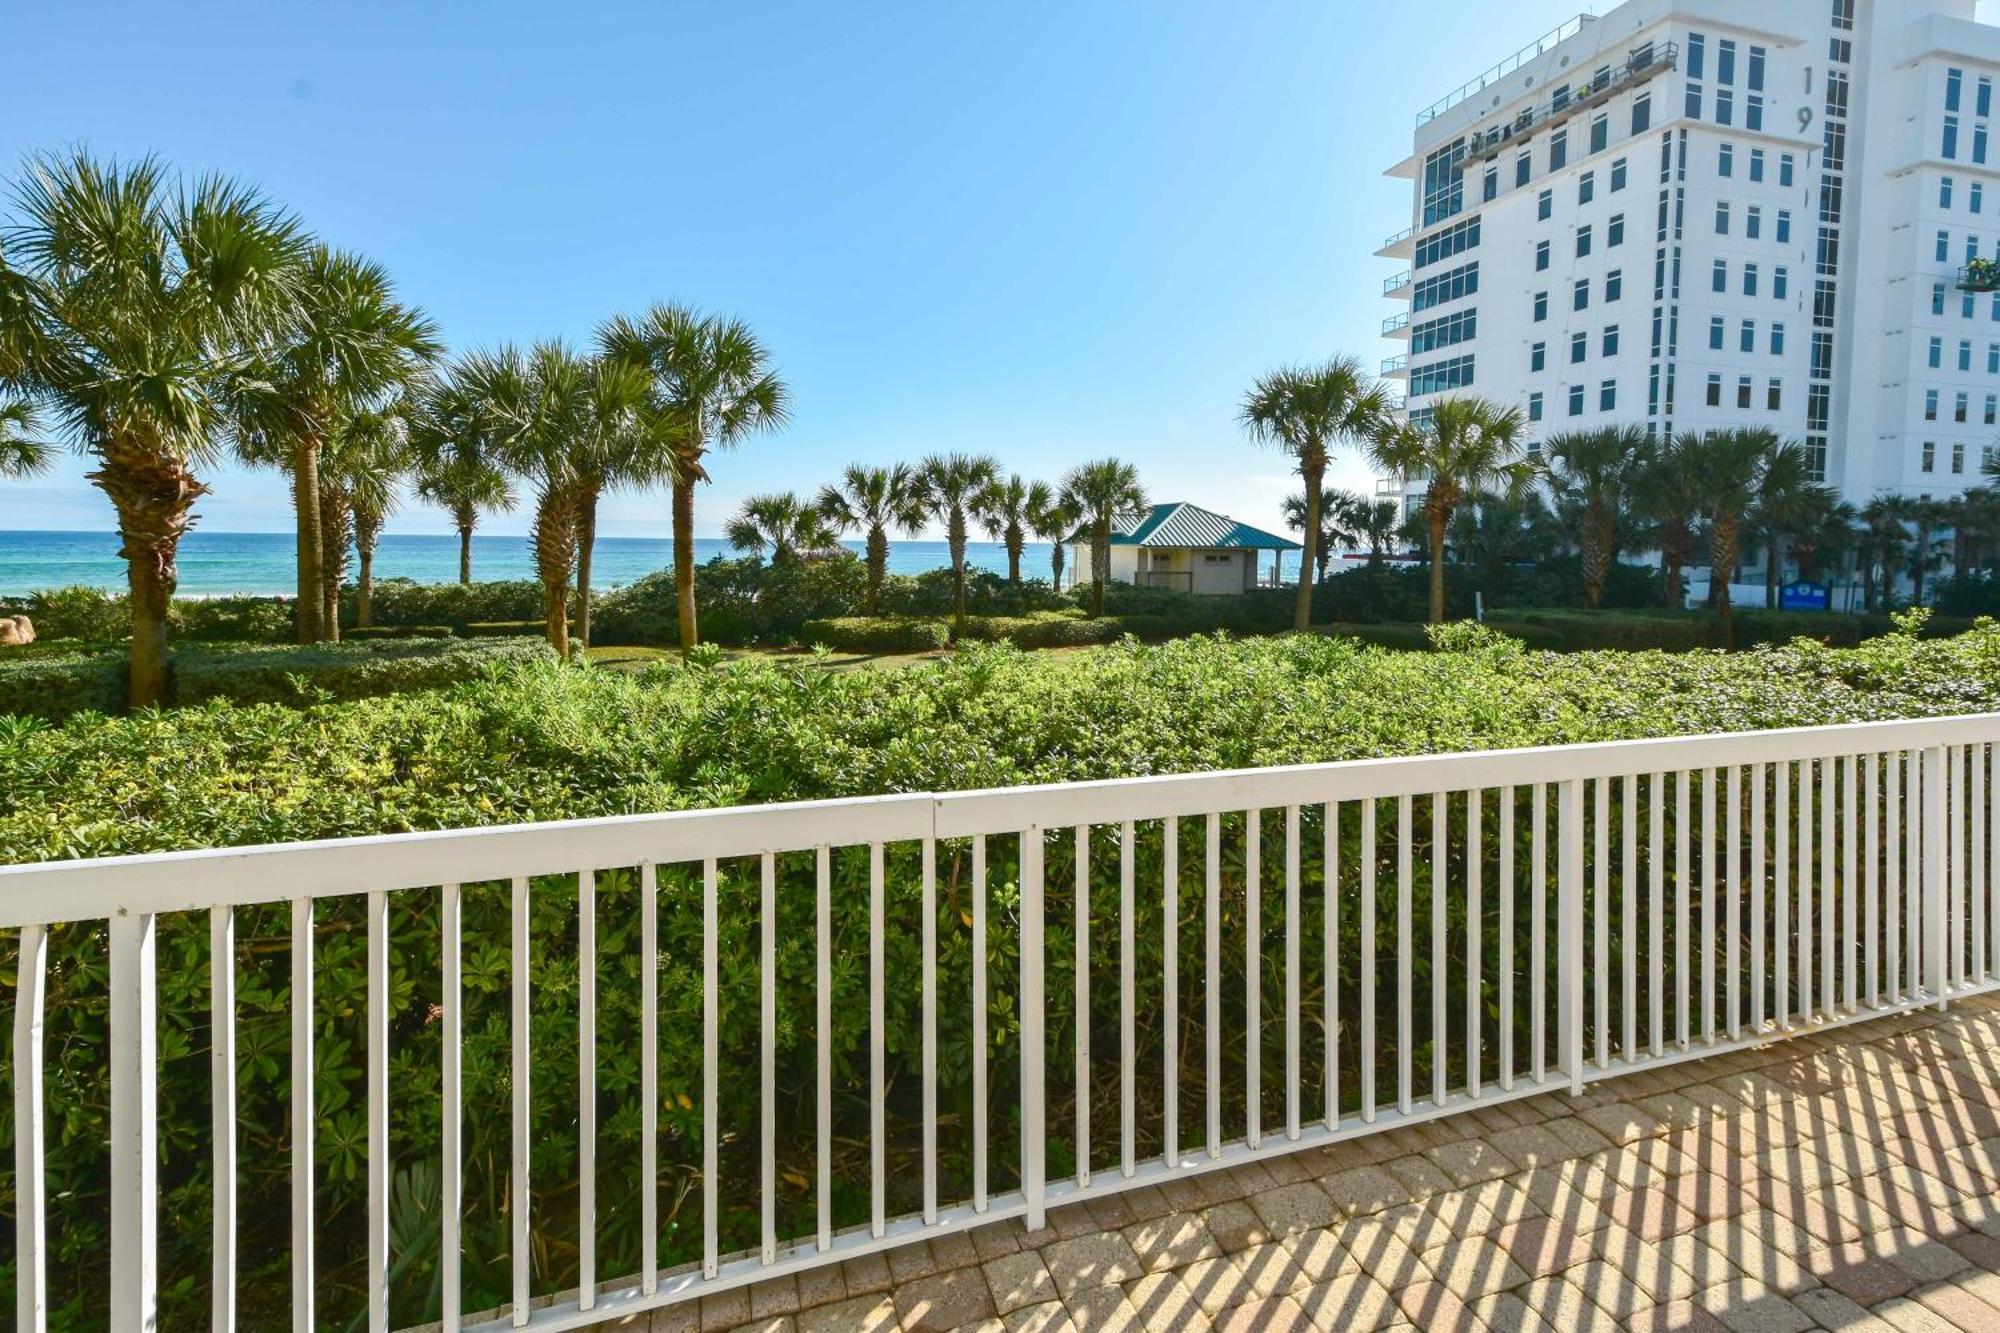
[(1696, 214)]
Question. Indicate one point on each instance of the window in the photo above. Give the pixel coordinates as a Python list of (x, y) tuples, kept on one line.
[(1582, 242), (1522, 169), (1722, 217), (1719, 279), (1717, 328), (1774, 395), (1948, 147), (1929, 462), (1779, 278), (1777, 340), (1725, 61), (1971, 247), (1979, 144), (1975, 194), (1964, 355), (1958, 456), (1642, 114), (1614, 284), (1617, 175), (1545, 205), (1992, 416), (1958, 406), (1784, 226), (1441, 376), (1579, 348), (1691, 108), (1714, 389), (1610, 340), (1725, 107), (1576, 400), (1930, 404), (1447, 286), (1489, 185), (1944, 192), (1579, 296), (1746, 340), (1756, 69), (1600, 132), (1614, 231), (1937, 298), (1954, 84), (1541, 306), (1558, 150), (1753, 111), (1697, 47), (1534, 407), (1943, 246), (1749, 279), (1442, 245), (1756, 164), (1965, 305), (1541, 256), (1785, 170), (1538, 357), (1457, 327), (1993, 358), (1607, 396), (1753, 222), (1725, 160), (1936, 357), (1983, 105), (1586, 187), (1743, 393)]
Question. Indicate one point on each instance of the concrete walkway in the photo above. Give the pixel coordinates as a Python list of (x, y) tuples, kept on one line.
[(1844, 1180)]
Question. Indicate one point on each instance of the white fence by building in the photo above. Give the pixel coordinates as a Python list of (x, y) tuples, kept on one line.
[(1419, 936)]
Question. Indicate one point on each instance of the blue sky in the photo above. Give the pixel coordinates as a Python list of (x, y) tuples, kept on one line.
[(1045, 231)]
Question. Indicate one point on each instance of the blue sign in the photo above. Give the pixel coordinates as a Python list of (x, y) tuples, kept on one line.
[(1805, 597)]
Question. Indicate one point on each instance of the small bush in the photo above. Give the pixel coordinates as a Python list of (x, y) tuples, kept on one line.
[(500, 629), (63, 682), (399, 632), (877, 634)]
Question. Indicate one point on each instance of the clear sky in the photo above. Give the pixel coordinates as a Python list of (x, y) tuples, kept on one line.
[(1048, 231)]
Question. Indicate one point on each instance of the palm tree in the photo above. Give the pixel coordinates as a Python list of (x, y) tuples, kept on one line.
[(1595, 473), (1667, 496), (872, 500), (1727, 468), (366, 467), (948, 486), (1786, 497), (21, 454), (1339, 524), (453, 460), (1053, 520), (1924, 517), (1467, 447), (1378, 522), (349, 347), (1824, 529), (790, 527), (1103, 492), (607, 453), (1884, 545), (712, 386), (1308, 411), (539, 403), (1002, 506), (135, 306)]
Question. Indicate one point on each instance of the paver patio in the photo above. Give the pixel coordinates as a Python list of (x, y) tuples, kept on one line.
[(1844, 1179)]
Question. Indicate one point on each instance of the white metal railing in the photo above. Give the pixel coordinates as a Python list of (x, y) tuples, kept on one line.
[(1339, 948), (1547, 42)]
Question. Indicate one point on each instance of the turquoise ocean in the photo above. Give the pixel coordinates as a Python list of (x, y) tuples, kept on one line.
[(221, 563)]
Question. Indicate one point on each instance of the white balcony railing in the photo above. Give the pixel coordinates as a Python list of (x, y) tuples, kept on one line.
[(1341, 949)]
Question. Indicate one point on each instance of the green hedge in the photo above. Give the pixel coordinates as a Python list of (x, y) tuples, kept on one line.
[(500, 629), (57, 685), (877, 634), (1686, 631), (399, 632)]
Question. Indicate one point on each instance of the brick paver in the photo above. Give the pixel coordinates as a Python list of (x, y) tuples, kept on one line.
[(1844, 1179)]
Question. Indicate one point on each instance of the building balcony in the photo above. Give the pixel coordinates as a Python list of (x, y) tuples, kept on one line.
[(1396, 367), (1647, 62), (1394, 285), (1981, 275), (1400, 246), (1397, 326)]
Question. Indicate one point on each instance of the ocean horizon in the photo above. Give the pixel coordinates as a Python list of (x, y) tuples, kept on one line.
[(219, 564)]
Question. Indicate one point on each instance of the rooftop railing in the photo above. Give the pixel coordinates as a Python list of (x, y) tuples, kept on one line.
[(1392, 940), (1540, 46), (1644, 63)]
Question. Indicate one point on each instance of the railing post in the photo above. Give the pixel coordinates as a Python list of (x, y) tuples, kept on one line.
[(135, 1279), (1569, 932), (1934, 836), (1033, 1127)]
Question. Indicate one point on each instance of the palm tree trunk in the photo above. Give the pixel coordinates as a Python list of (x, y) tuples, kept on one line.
[(684, 560), (152, 497), (1438, 520), (1772, 554), (305, 507), (468, 519), (367, 529), (586, 537), (956, 532), (555, 548), (878, 565), (1015, 541), (1302, 606), (334, 536), (1056, 564), (1100, 564), (1722, 566)]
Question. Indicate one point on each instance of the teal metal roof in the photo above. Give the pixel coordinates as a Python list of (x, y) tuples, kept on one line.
[(1186, 525)]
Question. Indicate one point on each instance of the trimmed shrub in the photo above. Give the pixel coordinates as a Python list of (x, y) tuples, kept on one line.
[(1044, 629), (400, 632), (877, 634), (500, 629), (406, 602), (57, 684)]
